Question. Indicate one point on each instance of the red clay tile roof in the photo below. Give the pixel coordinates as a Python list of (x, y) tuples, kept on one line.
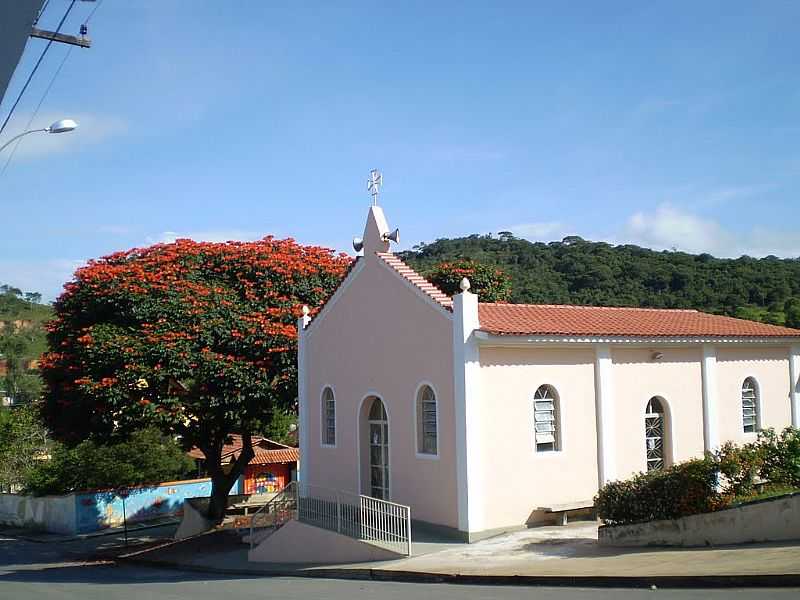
[(544, 319), (418, 280), (268, 457), (233, 449)]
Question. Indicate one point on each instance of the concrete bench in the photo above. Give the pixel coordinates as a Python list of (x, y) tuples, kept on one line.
[(562, 509)]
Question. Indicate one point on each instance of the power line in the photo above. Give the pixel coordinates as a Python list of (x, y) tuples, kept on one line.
[(91, 14), (36, 111), (36, 67)]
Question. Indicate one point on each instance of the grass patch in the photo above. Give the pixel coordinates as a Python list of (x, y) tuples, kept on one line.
[(768, 491)]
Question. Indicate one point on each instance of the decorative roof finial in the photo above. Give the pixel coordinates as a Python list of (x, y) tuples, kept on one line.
[(374, 183), (464, 285)]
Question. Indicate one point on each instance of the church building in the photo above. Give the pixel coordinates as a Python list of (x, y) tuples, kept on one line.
[(480, 415)]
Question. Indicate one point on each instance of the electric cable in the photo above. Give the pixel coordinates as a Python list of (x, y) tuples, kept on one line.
[(35, 68)]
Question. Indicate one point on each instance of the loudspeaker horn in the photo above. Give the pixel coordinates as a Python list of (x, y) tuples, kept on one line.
[(394, 236)]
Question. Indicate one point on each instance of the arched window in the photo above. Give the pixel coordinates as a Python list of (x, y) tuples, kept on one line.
[(378, 424), (328, 417), (654, 434), (750, 416), (427, 435), (546, 419)]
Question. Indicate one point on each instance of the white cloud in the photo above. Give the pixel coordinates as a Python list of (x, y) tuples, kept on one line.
[(671, 227), (46, 276), (92, 129), (536, 231), (222, 235)]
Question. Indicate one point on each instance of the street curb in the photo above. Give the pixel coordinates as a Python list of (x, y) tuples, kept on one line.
[(589, 581)]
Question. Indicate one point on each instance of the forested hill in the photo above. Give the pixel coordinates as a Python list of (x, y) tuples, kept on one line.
[(576, 271)]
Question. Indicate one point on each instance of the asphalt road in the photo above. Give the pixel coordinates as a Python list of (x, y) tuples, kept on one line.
[(32, 570)]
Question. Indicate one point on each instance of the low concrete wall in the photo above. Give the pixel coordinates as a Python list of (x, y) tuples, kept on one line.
[(85, 512), (771, 520), (47, 513)]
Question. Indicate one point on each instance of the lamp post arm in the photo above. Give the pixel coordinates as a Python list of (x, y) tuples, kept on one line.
[(16, 137)]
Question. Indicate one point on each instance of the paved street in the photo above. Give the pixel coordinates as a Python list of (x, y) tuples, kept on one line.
[(32, 570)]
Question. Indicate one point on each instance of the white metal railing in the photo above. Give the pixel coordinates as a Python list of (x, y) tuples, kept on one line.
[(274, 513), (379, 522)]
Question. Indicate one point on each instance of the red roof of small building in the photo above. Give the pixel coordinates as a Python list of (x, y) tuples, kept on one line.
[(268, 457), (549, 319), (232, 450)]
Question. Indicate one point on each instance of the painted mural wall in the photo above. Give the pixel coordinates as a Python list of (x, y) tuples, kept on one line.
[(95, 510)]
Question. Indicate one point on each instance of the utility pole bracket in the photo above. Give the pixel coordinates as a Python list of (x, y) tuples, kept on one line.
[(83, 42)]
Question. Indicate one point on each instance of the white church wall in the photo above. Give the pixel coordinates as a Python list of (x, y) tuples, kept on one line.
[(676, 379), (518, 480), (381, 338), (770, 368)]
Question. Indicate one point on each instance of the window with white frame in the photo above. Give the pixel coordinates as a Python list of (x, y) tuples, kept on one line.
[(750, 416), (546, 419), (328, 417), (427, 435)]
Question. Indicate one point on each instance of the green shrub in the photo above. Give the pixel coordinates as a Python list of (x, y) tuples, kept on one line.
[(781, 456), (739, 467), (704, 485), (146, 457), (684, 489)]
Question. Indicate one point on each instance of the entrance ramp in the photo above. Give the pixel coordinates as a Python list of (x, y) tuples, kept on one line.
[(301, 543), (335, 523)]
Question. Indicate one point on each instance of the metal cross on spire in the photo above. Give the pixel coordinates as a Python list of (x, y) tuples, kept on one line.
[(374, 183)]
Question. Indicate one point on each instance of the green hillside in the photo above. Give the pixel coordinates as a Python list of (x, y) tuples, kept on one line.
[(577, 271), (22, 340)]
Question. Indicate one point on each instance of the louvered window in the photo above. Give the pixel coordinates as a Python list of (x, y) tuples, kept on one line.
[(427, 437), (749, 405), (546, 419), (328, 417)]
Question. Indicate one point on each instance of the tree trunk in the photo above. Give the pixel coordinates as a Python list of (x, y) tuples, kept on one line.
[(221, 482)]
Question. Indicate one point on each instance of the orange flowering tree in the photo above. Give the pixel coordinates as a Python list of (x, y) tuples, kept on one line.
[(197, 339), (490, 283)]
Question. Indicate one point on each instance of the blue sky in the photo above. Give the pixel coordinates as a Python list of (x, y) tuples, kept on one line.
[(664, 124)]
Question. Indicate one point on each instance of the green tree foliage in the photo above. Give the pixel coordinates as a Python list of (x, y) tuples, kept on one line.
[(23, 445), (576, 271), (147, 456), (282, 426), (196, 339), (490, 283), (22, 340)]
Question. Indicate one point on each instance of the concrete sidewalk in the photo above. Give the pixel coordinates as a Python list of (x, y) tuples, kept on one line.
[(546, 555)]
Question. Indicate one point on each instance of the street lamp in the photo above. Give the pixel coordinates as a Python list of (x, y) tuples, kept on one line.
[(61, 126)]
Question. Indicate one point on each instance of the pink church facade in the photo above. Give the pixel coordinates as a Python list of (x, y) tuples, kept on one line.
[(477, 415)]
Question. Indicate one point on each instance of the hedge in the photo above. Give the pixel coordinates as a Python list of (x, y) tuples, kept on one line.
[(684, 489), (703, 485)]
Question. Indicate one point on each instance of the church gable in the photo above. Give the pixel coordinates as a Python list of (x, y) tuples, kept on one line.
[(367, 271)]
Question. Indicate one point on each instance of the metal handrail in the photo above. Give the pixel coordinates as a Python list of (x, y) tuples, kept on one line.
[(280, 507), (373, 520)]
